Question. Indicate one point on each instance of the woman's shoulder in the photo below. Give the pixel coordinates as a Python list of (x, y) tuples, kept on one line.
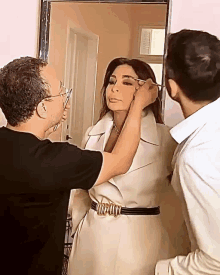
[(164, 135), (163, 128)]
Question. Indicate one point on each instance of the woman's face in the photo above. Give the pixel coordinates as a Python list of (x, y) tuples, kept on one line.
[(121, 88)]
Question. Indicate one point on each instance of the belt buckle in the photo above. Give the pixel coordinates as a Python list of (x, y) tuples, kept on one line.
[(108, 208)]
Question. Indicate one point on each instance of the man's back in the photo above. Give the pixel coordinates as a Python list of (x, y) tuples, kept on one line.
[(196, 180), (36, 177)]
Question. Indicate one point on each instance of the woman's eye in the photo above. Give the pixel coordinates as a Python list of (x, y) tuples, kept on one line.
[(127, 83), (111, 81)]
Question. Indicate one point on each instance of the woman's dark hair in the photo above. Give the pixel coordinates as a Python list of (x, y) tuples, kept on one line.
[(22, 88), (142, 70), (193, 61)]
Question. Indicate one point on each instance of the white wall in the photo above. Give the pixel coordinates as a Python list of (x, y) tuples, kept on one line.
[(191, 14), (19, 21)]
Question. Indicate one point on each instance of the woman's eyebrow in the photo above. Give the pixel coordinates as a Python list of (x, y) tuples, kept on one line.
[(128, 76)]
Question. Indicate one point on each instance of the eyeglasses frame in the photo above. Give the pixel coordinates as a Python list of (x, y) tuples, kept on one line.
[(67, 93)]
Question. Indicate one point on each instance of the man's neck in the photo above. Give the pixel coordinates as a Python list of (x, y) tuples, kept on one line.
[(190, 107), (28, 128)]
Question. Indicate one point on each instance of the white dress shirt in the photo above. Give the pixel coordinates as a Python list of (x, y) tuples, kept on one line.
[(196, 180)]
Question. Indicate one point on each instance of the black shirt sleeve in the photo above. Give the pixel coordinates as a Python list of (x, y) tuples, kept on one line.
[(71, 167)]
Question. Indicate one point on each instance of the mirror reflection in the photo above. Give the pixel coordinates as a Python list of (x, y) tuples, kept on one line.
[(85, 37)]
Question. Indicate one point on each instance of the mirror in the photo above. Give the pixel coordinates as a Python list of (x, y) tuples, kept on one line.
[(80, 38)]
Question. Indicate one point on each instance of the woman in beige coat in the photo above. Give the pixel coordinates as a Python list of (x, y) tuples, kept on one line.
[(110, 240)]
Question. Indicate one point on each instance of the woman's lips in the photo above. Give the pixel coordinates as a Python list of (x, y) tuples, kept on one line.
[(114, 100)]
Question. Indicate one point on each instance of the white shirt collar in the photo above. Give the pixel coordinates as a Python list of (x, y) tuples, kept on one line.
[(148, 127), (189, 125)]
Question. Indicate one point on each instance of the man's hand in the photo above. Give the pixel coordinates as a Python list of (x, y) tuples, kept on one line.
[(146, 94), (64, 117)]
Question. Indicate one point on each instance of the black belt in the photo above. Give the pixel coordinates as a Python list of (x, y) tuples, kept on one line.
[(113, 209)]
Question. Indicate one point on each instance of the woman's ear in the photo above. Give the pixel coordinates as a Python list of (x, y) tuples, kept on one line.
[(42, 110)]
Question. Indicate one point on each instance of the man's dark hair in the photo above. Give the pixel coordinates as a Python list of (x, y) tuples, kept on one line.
[(193, 61), (22, 88)]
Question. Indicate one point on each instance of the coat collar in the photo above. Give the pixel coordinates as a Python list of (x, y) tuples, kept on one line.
[(148, 127)]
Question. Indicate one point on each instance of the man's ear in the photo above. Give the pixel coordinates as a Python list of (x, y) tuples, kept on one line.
[(42, 110), (174, 88)]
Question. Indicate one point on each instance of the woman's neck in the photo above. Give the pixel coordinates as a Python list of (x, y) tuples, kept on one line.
[(119, 119)]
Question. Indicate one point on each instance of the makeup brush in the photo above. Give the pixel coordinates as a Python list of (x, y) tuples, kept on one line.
[(155, 84)]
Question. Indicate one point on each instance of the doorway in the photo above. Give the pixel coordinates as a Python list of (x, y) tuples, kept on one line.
[(80, 75)]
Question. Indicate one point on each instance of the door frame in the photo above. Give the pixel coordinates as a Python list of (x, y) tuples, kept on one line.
[(91, 72)]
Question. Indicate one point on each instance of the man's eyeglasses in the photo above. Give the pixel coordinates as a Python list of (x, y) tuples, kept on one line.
[(67, 92)]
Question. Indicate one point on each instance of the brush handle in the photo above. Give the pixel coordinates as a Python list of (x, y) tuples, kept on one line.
[(159, 85), (155, 84), (55, 127), (64, 106)]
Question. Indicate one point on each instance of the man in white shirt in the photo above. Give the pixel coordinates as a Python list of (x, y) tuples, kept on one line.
[(193, 80)]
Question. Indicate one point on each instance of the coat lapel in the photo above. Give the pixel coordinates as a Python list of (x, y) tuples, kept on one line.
[(148, 149), (99, 134)]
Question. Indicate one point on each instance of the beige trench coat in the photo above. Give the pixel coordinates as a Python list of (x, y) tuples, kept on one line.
[(131, 245)]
